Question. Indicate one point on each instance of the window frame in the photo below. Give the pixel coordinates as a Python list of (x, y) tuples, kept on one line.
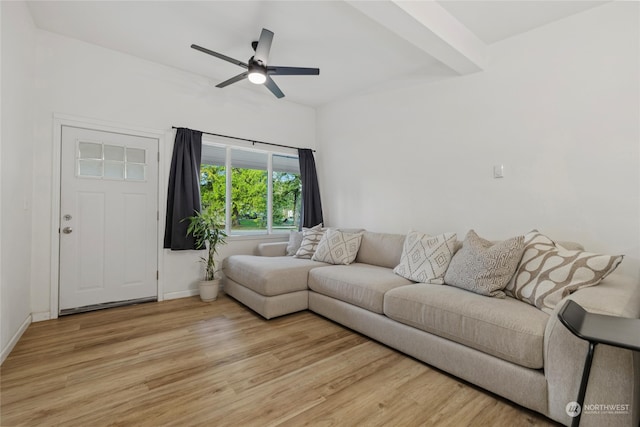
[(229, 147)]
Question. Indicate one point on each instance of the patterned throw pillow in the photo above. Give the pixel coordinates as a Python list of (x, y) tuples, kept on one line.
[(548, 272), (484, 267), (425, 258), (295, 240), (310, 240), (337, 247)]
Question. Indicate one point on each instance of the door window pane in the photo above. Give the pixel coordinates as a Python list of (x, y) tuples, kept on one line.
[(114, 170), (135, 172), (89, 150), (91, 168), (135, 155), (114, 152)]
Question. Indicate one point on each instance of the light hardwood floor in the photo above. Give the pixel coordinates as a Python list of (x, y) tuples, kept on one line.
[(187, 363)]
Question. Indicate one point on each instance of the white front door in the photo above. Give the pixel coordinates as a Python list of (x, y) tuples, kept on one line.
[(108, 218)]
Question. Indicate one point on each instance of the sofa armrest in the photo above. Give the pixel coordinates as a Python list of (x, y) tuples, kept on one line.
[(273, 249), (615, 372)]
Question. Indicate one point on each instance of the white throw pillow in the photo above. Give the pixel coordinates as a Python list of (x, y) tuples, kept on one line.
[(425, 258), (295, 240), (338, 247)]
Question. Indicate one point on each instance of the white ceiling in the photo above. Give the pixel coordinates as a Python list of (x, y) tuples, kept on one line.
[(354, 52)]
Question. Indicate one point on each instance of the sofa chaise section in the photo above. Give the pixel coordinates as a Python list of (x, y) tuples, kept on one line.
[(271, 286)]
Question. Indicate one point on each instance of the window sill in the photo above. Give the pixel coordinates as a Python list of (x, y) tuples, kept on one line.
[(248, 237)]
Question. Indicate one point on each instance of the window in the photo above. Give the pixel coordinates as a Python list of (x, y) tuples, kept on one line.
[(287, 193), (254, 191), (98, 160)]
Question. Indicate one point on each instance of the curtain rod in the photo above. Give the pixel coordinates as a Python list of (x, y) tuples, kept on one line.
[(252, 141)]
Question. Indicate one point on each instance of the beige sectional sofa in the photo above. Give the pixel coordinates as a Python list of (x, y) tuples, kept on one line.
[(504, 345)]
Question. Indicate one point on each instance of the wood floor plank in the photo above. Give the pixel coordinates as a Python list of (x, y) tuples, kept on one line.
[(188, 363)]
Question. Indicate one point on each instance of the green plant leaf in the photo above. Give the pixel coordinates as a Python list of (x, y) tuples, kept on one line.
[(208, 232)]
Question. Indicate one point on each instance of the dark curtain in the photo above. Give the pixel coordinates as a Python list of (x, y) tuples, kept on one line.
[(183, 198), (311, 204)]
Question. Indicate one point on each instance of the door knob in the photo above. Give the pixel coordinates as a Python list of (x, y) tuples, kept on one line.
[(67, 230)]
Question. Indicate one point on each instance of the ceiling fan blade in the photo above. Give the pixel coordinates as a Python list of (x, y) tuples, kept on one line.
[(233, 79), (273, 87), (264, 46), (292, 71), (219, 55)]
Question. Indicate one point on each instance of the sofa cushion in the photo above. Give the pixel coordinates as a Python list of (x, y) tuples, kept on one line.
[(505, 328), (269, 276), (549, 272), (426, 258), (381, 249), (338, 247), (484, 267), (363, 285)]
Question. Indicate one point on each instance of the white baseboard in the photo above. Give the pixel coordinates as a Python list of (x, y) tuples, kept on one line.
[(41, 316), (14, 340), (181, 294)]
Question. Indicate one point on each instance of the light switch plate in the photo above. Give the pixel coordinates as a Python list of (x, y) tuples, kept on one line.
[(498, 171)]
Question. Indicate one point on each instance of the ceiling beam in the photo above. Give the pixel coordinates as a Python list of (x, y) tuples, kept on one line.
[(432, 29)]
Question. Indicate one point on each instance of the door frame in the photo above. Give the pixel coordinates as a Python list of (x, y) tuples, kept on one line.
[(60, 120)]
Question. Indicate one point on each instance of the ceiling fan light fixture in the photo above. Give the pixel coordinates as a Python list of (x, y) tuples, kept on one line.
[(257, 76), (257, 71)]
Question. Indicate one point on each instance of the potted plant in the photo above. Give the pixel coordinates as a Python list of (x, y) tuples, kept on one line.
[(205, 227)]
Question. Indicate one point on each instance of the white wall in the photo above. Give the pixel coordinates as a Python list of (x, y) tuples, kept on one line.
[(558, 106), (16, 170), (81, 79)]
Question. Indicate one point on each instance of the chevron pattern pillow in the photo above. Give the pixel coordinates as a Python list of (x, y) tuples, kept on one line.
[(425, 258), (548, 272), (337, 247)]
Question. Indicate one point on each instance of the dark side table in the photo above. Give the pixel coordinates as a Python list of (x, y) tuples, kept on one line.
[(596, 329)]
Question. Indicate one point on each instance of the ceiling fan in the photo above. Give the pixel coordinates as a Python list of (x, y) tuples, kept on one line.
[(258, 72)]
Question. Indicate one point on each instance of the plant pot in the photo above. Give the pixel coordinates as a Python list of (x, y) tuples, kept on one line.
[(209, 290)]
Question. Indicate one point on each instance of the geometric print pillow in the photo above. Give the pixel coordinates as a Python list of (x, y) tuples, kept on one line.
[(548, 272), (337, 247), (426, 258), (310, 240), (484, 267)]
